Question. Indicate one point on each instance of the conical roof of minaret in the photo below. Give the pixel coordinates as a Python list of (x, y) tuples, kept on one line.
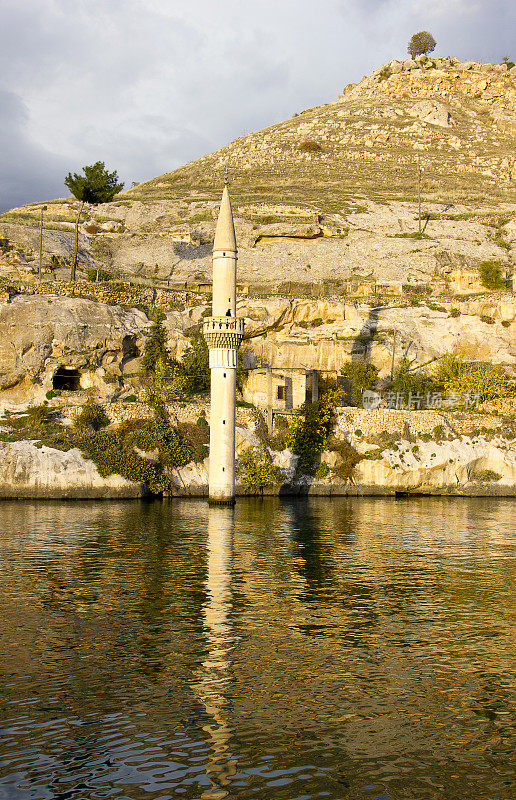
[(225, 238)]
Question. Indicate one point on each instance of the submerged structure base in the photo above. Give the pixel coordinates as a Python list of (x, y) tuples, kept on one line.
[(221, 501)]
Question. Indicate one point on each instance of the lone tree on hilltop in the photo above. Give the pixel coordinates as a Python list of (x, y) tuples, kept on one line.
[(96, 186), (421, 43)]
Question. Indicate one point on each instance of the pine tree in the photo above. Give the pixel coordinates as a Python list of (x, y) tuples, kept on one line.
[(96, 186)]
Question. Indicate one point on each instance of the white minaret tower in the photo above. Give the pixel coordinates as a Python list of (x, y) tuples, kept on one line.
[(223, 333)]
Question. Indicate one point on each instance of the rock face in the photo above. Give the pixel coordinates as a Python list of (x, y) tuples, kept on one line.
[(327, 334), (463, 466), (30, 471), (40, 334), (460, 466)]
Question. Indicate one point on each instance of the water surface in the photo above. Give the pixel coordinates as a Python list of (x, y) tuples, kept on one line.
[(286, 650)]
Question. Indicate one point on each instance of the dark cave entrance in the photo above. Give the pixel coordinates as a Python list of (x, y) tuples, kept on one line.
[(66, 379)]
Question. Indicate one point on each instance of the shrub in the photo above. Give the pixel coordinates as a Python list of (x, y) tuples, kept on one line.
[(421, 43), (413, 235), (111, 455), (257, 471), (485, 476), (322, 470), (350, 458), (455, 312), (363, 374), (416, 292), (200, 452), (194, 434), (491, 275), (405, 380), (385, 73), (309, 431), (92, 416), (53, 393), (35, 417), (131, 398), (310, 146), (98, 275), (158, 434)]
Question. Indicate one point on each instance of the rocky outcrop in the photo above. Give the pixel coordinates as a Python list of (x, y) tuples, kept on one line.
[(29, 470), (466, 465), (460, 466), (40, 334)]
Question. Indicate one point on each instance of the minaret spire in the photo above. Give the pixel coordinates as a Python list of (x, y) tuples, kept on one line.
[(223, 333), (225, 238)]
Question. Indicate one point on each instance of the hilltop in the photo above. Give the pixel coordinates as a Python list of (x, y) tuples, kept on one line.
[(330, 194)]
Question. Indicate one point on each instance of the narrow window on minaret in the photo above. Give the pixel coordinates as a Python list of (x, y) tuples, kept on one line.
[(223, 421), (224, 374)]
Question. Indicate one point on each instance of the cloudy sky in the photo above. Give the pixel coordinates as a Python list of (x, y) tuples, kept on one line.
[(147, 85)]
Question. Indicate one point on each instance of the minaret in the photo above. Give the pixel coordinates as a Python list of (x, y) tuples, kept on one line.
[(223, 333)]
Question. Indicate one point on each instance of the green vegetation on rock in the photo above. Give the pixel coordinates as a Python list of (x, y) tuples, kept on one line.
[(309, 431), (256, 470), (491, 275)]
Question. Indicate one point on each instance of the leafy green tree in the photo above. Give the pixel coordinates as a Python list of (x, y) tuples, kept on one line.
[(196, 366), (363, 375), (421, 43), (96, 186), (458, 376)]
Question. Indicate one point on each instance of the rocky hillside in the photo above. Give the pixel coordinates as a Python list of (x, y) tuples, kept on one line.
[(327, 196)]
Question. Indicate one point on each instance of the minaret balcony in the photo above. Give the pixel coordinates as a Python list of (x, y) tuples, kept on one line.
[(226, 332)]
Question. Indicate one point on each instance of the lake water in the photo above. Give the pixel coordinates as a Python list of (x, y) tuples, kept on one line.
[(284, 650)]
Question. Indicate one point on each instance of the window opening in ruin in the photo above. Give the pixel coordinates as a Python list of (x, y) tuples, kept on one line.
[(66, 379), (281, 392)]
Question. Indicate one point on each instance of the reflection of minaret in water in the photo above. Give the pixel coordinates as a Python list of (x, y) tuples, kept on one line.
[(218, 630), (223, 333)]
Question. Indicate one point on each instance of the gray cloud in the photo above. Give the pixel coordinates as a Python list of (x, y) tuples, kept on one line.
[(146, 85), (28, 171)]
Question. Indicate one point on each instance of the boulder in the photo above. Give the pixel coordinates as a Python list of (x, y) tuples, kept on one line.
[(431, 113)]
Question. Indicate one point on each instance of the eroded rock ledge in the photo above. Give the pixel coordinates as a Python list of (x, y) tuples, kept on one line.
[(466, 466)]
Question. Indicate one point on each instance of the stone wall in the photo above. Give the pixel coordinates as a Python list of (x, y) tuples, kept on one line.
[(397, 421)]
